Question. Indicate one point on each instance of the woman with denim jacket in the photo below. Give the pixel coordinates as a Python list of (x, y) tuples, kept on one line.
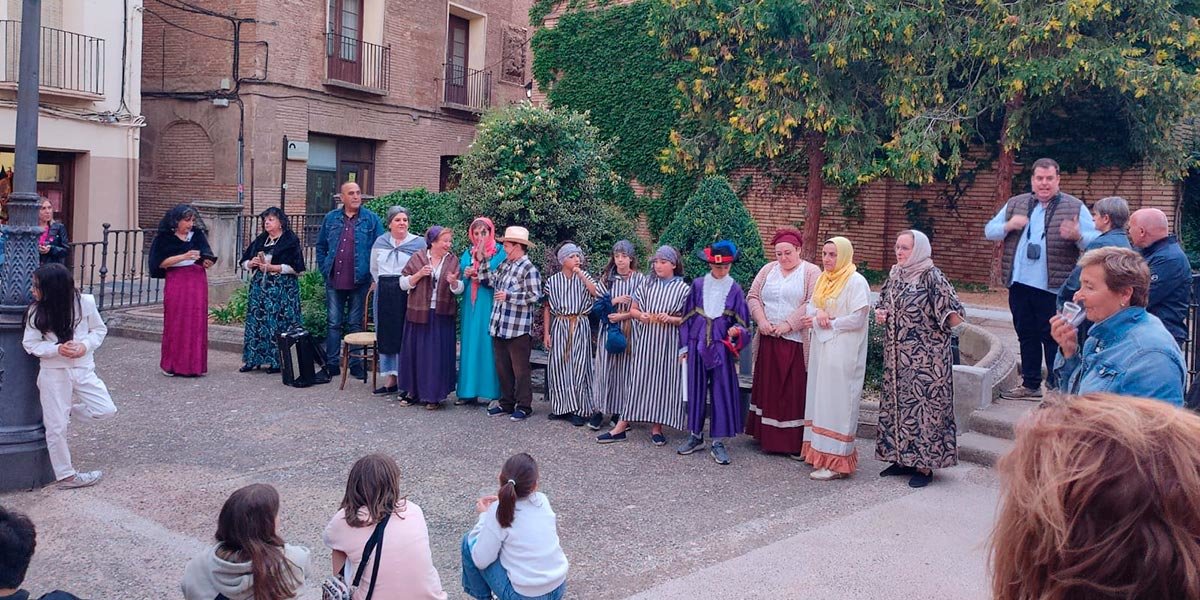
[(1127, 351)]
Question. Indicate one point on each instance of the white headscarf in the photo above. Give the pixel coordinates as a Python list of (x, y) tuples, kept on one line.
[(918, 262)]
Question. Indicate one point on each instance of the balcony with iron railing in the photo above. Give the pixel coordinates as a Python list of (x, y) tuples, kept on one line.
[(71, 64), (357, 65), (466, 90)]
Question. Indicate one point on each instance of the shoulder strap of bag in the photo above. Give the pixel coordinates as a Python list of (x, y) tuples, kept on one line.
[(374, 543)]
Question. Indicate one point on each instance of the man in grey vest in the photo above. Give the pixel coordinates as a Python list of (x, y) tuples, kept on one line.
[(1043, 232)]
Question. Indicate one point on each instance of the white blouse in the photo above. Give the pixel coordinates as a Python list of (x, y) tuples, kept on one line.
[(781, 296)]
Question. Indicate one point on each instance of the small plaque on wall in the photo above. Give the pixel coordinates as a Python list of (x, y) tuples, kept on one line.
[(297, 150)]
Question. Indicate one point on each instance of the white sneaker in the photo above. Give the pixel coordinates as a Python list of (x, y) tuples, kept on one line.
[(80, 480), (825, 475)]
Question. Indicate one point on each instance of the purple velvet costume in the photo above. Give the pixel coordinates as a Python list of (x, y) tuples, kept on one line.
[(712, 365)]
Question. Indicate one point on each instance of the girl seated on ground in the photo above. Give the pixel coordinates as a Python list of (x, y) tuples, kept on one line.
[(513, 550), (403, 568), (249, 561)]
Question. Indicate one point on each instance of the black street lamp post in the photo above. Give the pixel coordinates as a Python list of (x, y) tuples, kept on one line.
[(24, 463)]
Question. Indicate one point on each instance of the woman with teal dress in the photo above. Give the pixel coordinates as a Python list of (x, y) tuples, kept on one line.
[(275, 260), (477, 377)]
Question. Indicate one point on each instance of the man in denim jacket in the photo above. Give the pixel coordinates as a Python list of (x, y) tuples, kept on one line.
[(344, 258)]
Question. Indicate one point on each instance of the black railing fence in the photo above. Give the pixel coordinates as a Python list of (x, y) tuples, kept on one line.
[(68, 61), (306, 226), (1191, 350), (467, 87), (115, 269), (354, 61)]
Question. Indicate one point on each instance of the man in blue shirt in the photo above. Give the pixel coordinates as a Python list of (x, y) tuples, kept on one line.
[(1044, 232)]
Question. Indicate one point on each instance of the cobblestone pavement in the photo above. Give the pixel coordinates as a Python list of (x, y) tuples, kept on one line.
[(635, 520)]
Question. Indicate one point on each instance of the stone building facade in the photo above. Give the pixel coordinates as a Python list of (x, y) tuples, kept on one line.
[(384, 92)]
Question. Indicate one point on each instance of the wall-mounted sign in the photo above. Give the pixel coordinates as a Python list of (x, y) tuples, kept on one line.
[(297, 150)]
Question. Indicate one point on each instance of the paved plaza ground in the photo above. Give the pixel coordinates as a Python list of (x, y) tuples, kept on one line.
[(635, 520)]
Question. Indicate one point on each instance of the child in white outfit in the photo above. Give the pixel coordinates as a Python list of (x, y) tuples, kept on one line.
[(63, 329)]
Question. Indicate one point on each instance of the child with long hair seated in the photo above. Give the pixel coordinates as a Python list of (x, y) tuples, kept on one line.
[(250, 561), (63, 328), (400, 567), (513, 550)]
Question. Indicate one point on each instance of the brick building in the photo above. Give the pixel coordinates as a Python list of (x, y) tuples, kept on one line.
[(384, 92), (90, 117), (959, 248)]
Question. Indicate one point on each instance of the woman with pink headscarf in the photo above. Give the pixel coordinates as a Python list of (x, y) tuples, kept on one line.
[(477, 377)]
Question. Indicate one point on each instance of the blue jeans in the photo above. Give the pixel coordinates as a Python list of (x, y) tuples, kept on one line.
[(345, 316), (482, 583)]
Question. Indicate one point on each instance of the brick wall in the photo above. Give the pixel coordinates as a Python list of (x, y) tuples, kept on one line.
[(410, 129), (959, 248)]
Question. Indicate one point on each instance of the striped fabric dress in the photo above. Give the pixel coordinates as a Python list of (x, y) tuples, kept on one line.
[(569, 374), (655, 383), (612, 370)]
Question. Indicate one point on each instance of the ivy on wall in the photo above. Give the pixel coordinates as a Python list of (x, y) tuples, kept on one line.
[(604, 61)]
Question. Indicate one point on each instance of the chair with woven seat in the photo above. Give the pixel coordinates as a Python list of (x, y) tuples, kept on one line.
[(361, 345)]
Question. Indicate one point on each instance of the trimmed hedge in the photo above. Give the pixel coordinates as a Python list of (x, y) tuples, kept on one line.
[(714, 213)]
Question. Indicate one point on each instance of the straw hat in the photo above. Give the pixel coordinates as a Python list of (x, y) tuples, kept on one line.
[(516, 235)]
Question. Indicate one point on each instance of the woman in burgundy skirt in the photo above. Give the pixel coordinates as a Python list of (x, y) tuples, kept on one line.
[(777, 301), (180, 254)]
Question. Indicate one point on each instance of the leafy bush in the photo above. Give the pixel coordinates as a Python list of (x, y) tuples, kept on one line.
[(313, 310), (873, 380), (714, 213), (546, 170), (234, 311), (427, 209)]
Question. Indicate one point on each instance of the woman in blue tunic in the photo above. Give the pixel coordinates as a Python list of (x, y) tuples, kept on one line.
[(477, 378)]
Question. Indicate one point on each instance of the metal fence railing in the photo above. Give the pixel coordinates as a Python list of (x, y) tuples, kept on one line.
[(1191, 350), (115, 269), (467, 88), (305, 226), (68, 61), (354, 61)]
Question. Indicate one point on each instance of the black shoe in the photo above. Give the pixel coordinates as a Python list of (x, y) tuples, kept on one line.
[(465, 401), (497, 411), (616, 418), (333, 370), (897, 469), (385, 390), (562, 417), (358, 374), (596, 421), (272, 370), (608, 438), (247, 368), (578, 421), (920, 480)]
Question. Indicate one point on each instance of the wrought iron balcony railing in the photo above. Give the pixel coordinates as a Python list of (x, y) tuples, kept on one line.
[(71, 62), (466, 89), (359, 63)]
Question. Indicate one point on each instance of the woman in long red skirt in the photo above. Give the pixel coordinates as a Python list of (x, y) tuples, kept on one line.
[(180, 254)]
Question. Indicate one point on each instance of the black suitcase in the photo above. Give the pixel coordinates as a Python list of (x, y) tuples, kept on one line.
[(301, 359)]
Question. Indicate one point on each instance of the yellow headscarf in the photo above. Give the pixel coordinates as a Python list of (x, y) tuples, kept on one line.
[(831, 283)]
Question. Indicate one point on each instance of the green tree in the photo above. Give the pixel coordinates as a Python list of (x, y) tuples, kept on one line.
[(775, 85), (546, 170), (713, 213), (1095, 82)]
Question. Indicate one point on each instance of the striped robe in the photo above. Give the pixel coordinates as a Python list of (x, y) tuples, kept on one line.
[(612, 370), (655, 385), (569, 373)]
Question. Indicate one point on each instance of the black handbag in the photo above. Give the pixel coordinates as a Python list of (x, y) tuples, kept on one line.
[(301, 359)]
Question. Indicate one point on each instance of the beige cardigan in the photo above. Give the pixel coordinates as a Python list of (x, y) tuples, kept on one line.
[(754, 299)]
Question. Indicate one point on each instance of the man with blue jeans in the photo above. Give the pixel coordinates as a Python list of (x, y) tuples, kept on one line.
[(1043, 232), (344, 257)]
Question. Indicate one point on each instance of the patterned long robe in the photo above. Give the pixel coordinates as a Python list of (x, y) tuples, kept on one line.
[(916, 410), (612, 370)]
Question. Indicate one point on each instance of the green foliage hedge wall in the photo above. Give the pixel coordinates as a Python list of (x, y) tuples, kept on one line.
[(714, 213)]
